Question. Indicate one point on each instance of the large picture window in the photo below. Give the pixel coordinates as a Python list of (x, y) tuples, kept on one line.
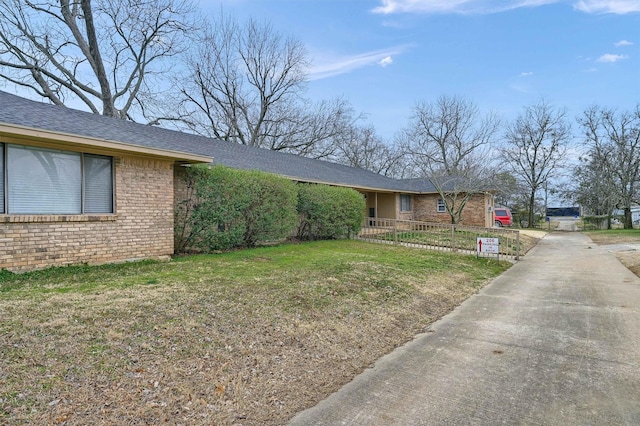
[(1, 178), (47, 181)]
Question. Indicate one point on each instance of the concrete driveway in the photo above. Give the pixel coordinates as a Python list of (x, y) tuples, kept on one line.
[(566, 223), (555, 340)]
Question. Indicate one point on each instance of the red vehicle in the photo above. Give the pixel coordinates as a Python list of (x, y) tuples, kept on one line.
[(502, 217)]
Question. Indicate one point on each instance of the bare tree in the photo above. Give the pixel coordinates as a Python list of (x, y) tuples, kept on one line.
[(101, 53), (448, 142), (612, 168), (535, 145), (593, 189), (246, 86), (361, 147), (508, 190)]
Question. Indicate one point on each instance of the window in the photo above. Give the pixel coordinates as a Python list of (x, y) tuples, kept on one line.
[(442, 208), (98, 184), (1, 178), (47, 181), (405, 202)]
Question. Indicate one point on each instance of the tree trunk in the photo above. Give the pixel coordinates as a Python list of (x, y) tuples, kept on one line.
[(532, 202), (628, 219)]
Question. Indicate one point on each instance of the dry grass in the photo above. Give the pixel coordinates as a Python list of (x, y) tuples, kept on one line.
[(532, 235), (246, 338), (630, 259)]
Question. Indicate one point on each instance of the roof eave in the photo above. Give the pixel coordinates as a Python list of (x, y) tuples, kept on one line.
[(46, 138), (348, 185)]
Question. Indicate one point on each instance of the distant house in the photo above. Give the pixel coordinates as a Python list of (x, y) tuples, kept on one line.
[(635, 213), (77, 187)]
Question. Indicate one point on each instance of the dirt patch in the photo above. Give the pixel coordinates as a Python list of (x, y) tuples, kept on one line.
[(605, 238), (626, 247), (630, 259), (533, 233)]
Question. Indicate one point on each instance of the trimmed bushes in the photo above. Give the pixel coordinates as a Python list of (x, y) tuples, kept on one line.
[(329, 212), (225, 208)]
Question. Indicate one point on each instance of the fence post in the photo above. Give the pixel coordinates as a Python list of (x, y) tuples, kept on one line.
[(518, 246), (395, 232)]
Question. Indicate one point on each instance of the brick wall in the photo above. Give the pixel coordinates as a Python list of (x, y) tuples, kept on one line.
[(142, 226), (474, 213)]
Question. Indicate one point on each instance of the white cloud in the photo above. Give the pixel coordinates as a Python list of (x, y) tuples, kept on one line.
[(389, 7), (526, 74), (332, 67), (622, 43), (386, 61), (619, 7), (520, 88), (610, 58)]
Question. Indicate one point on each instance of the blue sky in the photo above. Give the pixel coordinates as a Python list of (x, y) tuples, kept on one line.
[(385, 55)]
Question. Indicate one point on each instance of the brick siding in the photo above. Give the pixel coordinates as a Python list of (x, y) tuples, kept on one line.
[(474, 213), (141, 228)]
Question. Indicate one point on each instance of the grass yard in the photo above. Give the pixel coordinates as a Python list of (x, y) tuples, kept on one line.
[(614, 236), (246, 338), (441, 237)]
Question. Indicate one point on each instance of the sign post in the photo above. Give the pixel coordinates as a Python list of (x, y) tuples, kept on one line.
[(488, 245)]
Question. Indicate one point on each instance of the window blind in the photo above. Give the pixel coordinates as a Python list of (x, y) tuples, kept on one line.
[(43, 181), (1, 178), (98, 184), (405, 202)]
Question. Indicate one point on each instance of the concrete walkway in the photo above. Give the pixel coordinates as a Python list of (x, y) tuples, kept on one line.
[(555, 340)]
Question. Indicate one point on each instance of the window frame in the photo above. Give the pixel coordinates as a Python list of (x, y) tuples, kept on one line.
[(3, 179), (441, 206), (112, 184), (407, 200), (5, 182)]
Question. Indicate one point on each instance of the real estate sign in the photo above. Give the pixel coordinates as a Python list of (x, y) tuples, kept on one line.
[(488, 245)]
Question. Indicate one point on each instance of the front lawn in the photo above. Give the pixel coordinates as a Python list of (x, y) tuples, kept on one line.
[(614, 236), (250, 337)]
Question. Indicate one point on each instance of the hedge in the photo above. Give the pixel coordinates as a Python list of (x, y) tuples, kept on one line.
[(329, 212), (227, 208)]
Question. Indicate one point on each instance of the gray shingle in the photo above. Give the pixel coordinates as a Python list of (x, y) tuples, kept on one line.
[(37, 115)]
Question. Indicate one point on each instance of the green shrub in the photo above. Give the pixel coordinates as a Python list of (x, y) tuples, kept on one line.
[(269, 208), (328, 212), (226, 208)]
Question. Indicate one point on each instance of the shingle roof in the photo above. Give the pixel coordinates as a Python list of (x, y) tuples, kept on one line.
[(423, 185), (15, 110)]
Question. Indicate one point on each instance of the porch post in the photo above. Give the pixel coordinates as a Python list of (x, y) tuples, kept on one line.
[(376, 204)]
